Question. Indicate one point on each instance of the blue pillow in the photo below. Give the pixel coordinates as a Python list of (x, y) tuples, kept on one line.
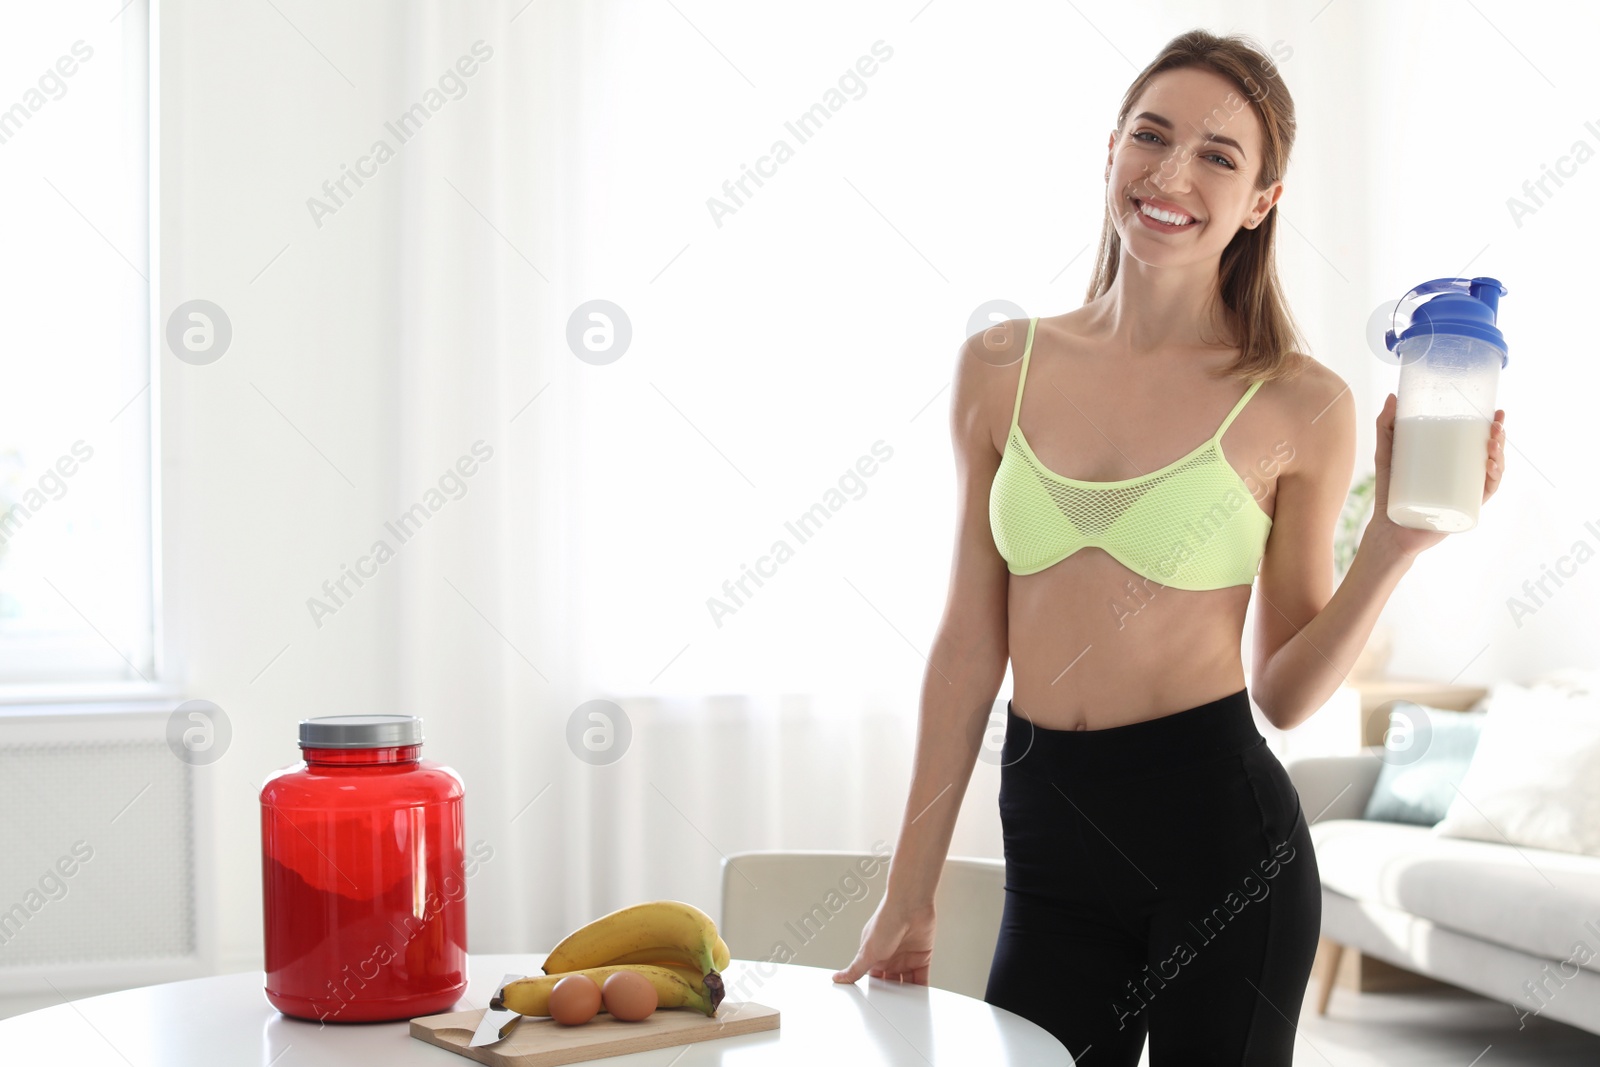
[(1420, 791)]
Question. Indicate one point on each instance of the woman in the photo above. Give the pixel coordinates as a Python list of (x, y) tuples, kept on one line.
[(1159, 870)]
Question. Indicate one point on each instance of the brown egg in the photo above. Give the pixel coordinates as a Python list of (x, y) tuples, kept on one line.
[(575, 999), (629, 996)]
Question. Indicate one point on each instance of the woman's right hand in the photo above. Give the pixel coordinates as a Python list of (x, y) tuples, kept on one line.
[(897, 944)]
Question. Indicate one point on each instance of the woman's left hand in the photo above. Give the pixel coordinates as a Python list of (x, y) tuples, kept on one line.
[(1403, 539)]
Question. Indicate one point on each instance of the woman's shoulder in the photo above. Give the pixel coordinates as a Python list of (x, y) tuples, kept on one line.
[(1304, 381), (984, 384), (1315, 409)]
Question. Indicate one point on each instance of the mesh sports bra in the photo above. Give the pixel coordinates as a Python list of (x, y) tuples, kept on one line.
[(1193, 524)]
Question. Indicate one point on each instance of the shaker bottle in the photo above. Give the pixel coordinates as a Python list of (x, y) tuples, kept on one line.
[(363, 875), (1451, 354)]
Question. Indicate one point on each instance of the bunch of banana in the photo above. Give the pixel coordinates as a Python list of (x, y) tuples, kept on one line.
[(531, 996), (663, 933)]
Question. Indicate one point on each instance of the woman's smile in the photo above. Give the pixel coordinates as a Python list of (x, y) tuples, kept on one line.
[(1163, 217)]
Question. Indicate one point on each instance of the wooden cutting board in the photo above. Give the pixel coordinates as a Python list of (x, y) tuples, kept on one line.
[(541, 1042)]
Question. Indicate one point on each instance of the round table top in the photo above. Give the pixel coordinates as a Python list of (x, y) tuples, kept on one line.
[(225, 1020)]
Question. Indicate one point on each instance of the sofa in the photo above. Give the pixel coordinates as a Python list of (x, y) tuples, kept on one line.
[(1518, 925)]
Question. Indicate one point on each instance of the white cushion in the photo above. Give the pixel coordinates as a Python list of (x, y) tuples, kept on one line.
[(1577, 679), (1534, 779), (1542, 902)]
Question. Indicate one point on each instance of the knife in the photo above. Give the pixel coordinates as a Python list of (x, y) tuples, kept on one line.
[(495, 1025)]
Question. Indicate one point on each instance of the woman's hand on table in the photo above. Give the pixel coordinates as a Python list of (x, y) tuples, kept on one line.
[(896, 943)]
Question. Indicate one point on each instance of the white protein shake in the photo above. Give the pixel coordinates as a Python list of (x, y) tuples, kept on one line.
[(1436, 472)]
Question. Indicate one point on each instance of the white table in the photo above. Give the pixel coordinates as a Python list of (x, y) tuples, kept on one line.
[(226, 1020)]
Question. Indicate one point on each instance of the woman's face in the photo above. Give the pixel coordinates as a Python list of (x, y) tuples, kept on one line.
[(1192, 146)]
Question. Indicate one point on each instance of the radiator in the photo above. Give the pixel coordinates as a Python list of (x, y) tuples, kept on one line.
[(99, 867)]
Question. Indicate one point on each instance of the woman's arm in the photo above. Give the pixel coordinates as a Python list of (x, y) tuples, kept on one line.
[(965, 669), (968, 660), (1308, 635)]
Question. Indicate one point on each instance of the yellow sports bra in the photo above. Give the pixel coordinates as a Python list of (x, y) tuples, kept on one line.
[(1193, 524)]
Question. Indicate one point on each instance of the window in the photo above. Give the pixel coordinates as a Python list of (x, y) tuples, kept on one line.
[(76, 561)]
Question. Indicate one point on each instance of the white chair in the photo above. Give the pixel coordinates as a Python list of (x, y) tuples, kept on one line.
[(808, 907)]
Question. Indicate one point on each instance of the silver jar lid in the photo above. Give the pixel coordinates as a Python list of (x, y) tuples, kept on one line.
[(360, 731)]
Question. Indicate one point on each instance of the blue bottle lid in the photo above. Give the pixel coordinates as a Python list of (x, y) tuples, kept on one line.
[(1462, 307)]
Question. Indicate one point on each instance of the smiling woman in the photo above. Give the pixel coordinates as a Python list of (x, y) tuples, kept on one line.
[(1136, 790), (1184, 294)]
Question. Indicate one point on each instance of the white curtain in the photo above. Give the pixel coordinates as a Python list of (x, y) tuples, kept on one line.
[(774, 361), (778, 340)]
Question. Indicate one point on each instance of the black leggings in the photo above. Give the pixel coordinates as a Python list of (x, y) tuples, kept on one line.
[(1160, 878)]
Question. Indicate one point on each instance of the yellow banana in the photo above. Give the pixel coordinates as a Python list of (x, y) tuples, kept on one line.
[(531, 996), (653, 932), (711, 991)]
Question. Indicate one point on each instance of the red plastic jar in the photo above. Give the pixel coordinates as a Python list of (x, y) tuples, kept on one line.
[(363, 875)]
